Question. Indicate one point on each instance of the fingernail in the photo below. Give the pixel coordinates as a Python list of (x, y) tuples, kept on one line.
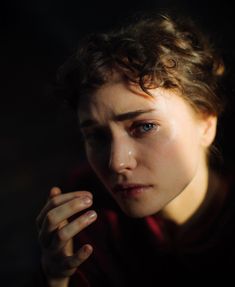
[(87, 249), (91, 214), (87, 200)]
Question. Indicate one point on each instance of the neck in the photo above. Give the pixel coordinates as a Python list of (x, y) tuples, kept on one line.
[(187, 203)]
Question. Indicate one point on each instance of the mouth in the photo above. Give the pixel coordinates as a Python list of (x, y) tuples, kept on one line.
[(130, 190)]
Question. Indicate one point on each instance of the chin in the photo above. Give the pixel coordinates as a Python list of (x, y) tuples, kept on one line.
[(138, 212)]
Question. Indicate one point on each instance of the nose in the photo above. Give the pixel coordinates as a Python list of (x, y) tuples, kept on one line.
[(122, 156)]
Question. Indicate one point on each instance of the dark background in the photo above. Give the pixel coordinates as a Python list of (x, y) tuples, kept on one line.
[(39, 140)]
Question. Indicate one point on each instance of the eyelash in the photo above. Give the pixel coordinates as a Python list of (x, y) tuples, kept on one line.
[(135, 130)]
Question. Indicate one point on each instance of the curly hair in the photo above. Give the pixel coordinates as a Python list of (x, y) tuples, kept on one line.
[(156, 51)]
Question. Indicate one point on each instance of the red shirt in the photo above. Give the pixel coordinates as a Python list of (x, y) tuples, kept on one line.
[(152, 250)]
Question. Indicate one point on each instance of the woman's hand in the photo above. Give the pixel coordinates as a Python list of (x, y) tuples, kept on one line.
[(59, 261)]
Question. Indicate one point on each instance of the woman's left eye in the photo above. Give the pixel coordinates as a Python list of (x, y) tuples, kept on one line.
[(143, 128)]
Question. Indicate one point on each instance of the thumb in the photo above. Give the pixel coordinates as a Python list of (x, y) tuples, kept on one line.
[(54, 191)]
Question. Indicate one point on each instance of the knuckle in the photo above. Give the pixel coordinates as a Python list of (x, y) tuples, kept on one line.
[(80, 223), (50, 218), (54, 201), (74, 204), (62, 236)]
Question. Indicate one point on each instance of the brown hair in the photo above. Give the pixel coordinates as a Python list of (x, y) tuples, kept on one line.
[(156, 51)]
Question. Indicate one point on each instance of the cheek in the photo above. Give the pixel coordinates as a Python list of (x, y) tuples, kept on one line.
[(180, 159), (172, 158)]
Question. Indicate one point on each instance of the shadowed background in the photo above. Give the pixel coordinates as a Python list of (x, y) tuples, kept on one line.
[(39, 141)]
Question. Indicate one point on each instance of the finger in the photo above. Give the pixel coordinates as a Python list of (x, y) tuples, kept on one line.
[(56, 199), (56, 220), (77, 259), (67, 265), (55, 191), (57, 215), (67, 232)]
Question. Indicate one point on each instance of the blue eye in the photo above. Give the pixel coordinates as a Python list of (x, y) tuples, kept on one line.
[(143, 128), (146, 127)]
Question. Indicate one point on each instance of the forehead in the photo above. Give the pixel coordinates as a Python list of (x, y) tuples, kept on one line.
[(116, 95), (119, 97)]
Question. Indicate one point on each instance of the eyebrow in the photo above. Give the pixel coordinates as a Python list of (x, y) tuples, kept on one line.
[(118, 118)]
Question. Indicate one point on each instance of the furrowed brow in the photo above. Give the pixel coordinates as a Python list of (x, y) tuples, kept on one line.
[(119, 118), (131, 115)]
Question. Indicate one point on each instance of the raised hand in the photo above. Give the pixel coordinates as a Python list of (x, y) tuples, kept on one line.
[(56, 233)]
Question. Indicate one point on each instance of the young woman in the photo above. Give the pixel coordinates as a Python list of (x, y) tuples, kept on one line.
[(147, 98)]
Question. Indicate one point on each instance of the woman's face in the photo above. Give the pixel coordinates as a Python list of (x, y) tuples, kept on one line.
[(146, 151)]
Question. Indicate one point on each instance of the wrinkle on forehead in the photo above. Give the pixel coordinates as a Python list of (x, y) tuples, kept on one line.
[(113, 98), (119, 98)]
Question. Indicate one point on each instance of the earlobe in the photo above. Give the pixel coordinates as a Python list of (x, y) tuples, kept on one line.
[(209, 126)]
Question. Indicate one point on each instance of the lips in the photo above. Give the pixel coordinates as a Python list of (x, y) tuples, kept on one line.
[(130, 189)]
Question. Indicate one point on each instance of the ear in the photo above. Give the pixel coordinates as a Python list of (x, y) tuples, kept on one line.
[(208, 129)]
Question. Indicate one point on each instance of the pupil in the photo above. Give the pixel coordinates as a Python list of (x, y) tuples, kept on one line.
[(147, 127)]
